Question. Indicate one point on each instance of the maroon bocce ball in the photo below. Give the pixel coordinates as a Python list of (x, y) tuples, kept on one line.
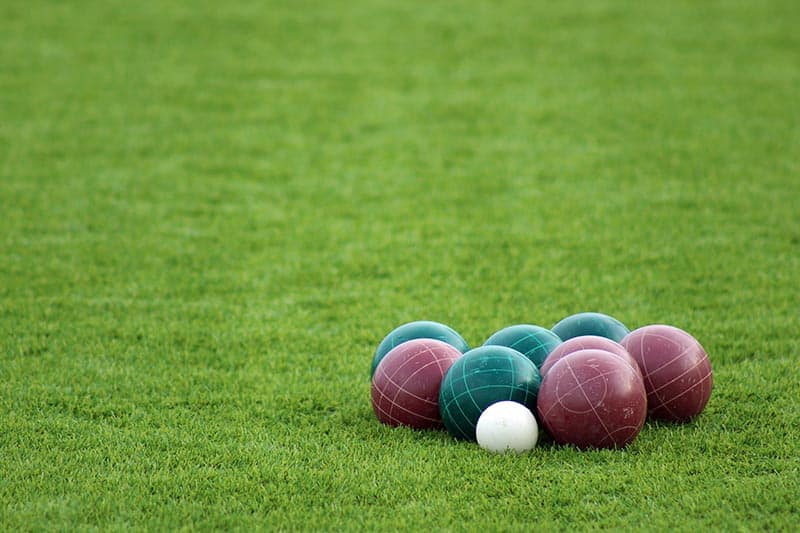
[(676, 371), (592, 399), (586, 342), (405, 386)]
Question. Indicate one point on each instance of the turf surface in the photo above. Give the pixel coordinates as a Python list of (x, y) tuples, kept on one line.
[(212, 212)]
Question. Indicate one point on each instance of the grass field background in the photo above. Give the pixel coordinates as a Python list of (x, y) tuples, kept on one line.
[(212, 212)]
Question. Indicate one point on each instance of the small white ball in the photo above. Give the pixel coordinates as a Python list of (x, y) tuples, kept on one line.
[(507, 426)]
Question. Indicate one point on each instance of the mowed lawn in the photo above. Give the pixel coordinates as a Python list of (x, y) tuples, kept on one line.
[(212, 212)]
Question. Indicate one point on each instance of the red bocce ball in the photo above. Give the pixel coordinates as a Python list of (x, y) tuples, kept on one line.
[(405, 386), (586, 342), (676, 371), (592, 399)]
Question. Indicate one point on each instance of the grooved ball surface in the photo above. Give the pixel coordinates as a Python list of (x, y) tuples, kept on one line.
[(586, 342), (590, 324), (676, 370), (534, 342), (592, 399), (481, 377), (405, 386), (421, 329)]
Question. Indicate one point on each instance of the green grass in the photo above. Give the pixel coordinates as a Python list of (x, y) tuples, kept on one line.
[(212, 212)]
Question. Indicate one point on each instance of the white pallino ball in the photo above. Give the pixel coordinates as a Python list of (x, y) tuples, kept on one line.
[(507, 426)]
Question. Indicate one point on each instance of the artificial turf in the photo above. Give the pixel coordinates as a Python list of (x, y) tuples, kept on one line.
[(212, 212)]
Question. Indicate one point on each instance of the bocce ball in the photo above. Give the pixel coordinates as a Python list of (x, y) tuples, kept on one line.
[(481, 377), (405, 386), (592, 399), (590, 324), (421, 329), (676, 370), (507, 427), (586, 342), (534, 342)]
